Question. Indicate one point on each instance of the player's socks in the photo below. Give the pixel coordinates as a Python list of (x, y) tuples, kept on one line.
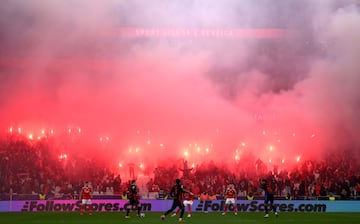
[(182, 213), (82, 209), (138, 210), (274, 209), (225, 208)]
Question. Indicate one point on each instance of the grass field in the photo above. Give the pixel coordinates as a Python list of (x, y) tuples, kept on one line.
[(198, 218)]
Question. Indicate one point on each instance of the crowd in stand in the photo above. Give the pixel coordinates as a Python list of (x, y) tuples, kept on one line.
[(33, 168), (337, 174)]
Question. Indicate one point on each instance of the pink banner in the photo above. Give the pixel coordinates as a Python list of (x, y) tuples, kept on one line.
[(163, 205), (200, 33)]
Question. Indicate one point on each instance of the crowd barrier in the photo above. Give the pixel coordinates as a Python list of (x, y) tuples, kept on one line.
[(111, 205)]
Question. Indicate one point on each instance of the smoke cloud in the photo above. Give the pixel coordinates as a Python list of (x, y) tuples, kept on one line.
[(63, 65)]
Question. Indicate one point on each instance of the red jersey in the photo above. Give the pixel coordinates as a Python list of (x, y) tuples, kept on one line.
[(86, 193), (230, 193), (188, 197)]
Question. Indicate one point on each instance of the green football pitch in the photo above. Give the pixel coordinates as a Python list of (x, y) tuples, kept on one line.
[(198, 218)]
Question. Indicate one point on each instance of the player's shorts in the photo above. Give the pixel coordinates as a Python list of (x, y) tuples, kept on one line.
[(134, 202), (188, 202), (269, 198), (230, 201), (86, 201)]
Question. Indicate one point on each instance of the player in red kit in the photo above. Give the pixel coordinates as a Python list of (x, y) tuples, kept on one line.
[(85, 197), (188, 202), (230, 195)]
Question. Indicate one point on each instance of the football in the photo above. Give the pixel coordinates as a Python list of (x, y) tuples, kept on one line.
[(142, 215)]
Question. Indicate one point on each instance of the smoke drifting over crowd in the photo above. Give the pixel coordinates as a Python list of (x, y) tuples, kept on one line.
[(63, 64)]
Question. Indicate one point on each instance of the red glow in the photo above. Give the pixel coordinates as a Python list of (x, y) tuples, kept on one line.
[(63, 156), (271, 148), (186, 153), (171, 88), (193, 148)]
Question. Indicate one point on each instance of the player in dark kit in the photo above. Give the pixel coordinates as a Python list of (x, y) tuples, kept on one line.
[(269, 198), (133, 199), (177, 192)]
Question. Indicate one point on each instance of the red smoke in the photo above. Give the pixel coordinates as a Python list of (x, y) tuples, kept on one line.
[(281, 100)]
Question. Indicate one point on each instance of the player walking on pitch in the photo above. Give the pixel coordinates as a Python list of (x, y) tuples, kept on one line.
[(188, 202), (269, 198), (177, 192), (133, 199)]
